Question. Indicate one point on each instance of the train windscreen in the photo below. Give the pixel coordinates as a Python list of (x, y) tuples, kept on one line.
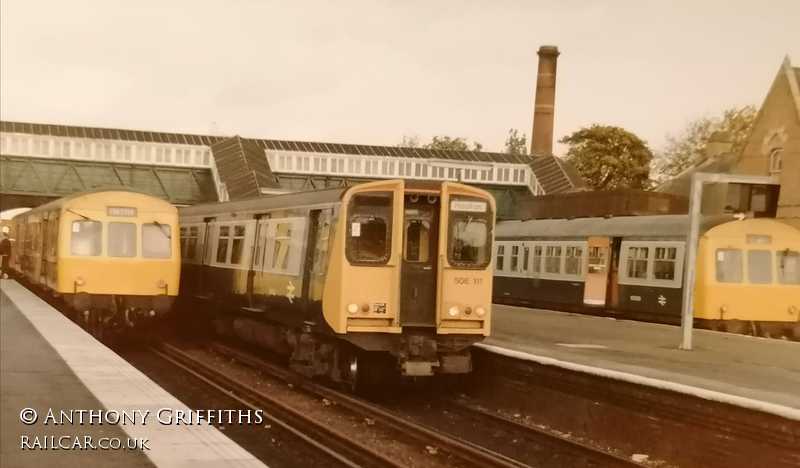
[(369, 228), (470, 233)]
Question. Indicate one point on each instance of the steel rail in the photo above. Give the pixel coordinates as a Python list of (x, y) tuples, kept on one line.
[(468, 452), (340, 446), (601, 457)]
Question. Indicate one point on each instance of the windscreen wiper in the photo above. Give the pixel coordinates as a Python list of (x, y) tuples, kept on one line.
[(82, 216), (161, 228)]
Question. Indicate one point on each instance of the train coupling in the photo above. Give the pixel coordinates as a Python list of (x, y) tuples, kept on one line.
[(421, 356)]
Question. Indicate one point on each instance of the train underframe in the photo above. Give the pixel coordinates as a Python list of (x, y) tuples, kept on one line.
[(104, 315), (355, 360)]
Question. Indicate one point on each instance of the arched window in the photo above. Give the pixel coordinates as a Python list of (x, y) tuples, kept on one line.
[(775, 161)]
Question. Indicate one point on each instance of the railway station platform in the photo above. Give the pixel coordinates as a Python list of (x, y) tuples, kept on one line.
[(756, 373), (51, 366)]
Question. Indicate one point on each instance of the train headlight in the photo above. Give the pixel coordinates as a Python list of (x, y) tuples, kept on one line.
[(480, 311), (352, 308), (79, 281), (453, 311)]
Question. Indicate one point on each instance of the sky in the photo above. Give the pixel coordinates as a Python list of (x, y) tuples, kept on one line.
[(372, 72)]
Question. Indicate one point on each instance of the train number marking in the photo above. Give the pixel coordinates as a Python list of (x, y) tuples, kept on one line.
[(462, 281)]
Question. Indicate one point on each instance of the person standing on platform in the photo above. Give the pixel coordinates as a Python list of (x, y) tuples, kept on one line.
[(5, 255)]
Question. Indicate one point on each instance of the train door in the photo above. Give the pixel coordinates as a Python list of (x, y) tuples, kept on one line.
[(419, 260), (612, 293), (594, 293)]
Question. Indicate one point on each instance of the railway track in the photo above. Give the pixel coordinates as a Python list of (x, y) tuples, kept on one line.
[(343, 447), (470, 453), (562, 447)]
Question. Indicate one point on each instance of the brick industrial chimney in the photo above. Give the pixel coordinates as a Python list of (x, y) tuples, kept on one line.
[(544, 107)]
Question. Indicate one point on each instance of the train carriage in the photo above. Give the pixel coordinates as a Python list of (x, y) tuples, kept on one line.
[(633, 266), (339, 278), (111, 255)]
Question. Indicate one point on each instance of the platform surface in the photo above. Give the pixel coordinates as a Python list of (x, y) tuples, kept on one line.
[(758, 369), (46, 361)]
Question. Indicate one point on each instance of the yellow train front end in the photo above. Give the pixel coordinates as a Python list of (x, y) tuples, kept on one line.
[(748, 278), (117, 262), (410, 273)]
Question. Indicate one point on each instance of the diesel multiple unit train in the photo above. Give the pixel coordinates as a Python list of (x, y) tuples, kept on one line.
[(111, 255), (345, 280), (747, 277)]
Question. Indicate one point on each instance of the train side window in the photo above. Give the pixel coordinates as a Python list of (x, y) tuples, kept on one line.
[(121, 239), (156, 240), (729, 265), (237, 245), (637, 262), (417, 248), (193, 235), (788, 266), (552, 259), (759, 266), (597, 259), (86, 238), (222, 244), (664, 263), (514, 258), (501, 257), (537, 259), (573, 260), (183, 231), (526, 257), (323, 239), (283, 238), (369, 228)]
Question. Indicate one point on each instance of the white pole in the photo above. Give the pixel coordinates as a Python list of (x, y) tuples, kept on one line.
[(687, 313)]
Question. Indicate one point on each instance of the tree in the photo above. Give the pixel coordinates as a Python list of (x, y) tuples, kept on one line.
[(689, 148), (409, 142), (452, 144), (516, 144), (609, 157)]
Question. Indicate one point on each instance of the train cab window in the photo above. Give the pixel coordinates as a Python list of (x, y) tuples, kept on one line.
[(573, 260), (637, 262), (418, 238), (86, 238), (664, 263), (552, 259), (759, 266), (369, 228), (501, 257), (469, 243), (121, 239), (537, 259), (237, 245), (514, 258), (729, 265), (788, 266), (156, 240), (469, 236)]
